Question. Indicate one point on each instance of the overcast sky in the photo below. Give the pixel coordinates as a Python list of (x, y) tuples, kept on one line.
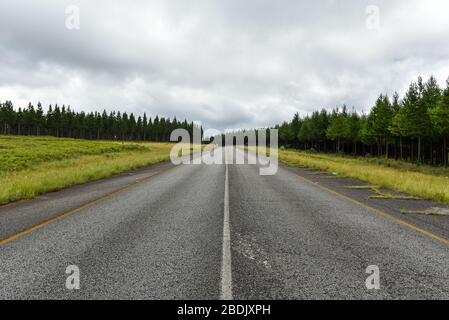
[(229, 63)]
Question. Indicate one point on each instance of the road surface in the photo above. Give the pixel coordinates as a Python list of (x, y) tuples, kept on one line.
[(222, 231)]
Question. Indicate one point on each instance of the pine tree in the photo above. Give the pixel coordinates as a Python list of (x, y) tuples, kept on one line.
[(144, 126), (40, 120), (286, 134), (409, 121), (295, 127), (366, 131), (440, 119), (305, 132), (352, 133), (381, 117), (337, 127)]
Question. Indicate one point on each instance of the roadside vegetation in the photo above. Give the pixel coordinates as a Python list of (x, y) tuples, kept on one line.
[(427, 182), (31, 166), (414, 128), (64, 122)]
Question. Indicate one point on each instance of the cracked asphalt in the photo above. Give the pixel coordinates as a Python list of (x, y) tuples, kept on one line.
[(163, 239)]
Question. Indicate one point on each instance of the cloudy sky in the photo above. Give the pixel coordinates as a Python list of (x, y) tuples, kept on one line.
[(228, 63)]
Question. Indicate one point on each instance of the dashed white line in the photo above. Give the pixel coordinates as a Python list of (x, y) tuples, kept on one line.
[(226, 272)]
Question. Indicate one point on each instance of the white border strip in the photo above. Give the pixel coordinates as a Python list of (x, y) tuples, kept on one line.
[(226, 272)]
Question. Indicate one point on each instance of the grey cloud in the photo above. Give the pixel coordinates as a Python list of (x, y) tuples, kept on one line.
[(229, 64)]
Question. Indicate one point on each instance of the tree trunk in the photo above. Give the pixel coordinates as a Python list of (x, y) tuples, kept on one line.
[(386, 149), (419, 149), (445, 154), (431, 153)]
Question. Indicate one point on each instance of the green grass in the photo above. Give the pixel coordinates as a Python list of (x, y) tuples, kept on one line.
[(18, 153), (419, 181), (31, 166)]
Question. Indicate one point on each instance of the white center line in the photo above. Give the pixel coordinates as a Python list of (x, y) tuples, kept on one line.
[(226, 272)]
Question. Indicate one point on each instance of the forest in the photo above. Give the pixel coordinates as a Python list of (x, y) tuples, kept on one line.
[(64, 122), (413, 128)]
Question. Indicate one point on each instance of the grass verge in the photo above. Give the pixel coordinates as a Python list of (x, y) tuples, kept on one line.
[(379, 194), (31, 166), (419, 181), (429, 212)]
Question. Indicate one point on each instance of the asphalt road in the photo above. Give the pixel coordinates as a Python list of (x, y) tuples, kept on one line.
[(221, 231)]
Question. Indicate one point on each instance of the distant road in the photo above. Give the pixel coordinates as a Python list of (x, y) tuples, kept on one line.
[(210, 232)]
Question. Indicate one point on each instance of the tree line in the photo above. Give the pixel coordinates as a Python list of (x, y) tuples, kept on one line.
[(64, 122), (414, 128)]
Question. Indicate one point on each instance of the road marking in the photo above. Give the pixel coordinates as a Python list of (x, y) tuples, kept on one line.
[(375, 210), (85, 206), (226, 272)]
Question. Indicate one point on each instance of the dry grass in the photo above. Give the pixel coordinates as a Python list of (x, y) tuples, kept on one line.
[(429, 212), (380, 194), (419, 181)]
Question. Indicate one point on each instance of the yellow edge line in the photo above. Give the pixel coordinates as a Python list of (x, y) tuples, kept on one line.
[(85, 206), (378, 211)]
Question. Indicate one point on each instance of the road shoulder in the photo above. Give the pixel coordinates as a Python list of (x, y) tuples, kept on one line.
[(20, 216), (437, 225)]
